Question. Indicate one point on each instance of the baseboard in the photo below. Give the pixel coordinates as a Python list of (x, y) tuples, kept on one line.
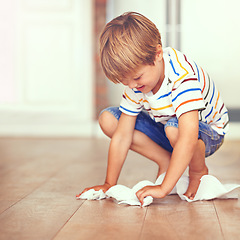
[(57, 130), (47, 124), (74, 129)]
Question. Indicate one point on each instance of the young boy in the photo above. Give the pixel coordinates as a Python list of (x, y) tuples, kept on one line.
[(184, 120)]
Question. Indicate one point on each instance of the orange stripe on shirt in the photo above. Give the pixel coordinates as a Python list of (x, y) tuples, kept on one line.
[(192, 100), (161, 108), (143, 100), (204, 80), (217, 100), (130, 98), (220, 127), (184, 75), (215, 115)]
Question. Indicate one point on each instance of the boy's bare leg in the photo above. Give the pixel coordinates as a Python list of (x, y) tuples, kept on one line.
[(141, 143), (197, 168)]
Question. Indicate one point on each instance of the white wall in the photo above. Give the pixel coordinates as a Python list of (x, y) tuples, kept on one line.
[(211, 35), (7, 36), (46, 67)]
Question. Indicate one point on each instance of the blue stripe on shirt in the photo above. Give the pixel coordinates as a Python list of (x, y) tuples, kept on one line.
[(128, 110), (173, 68), (209, 113), (188, 90), (197, 72), (136, 91), (221, 116), (213, 93), (165, 95)]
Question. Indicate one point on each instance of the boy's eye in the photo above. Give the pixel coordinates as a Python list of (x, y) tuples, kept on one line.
[(137, 78)]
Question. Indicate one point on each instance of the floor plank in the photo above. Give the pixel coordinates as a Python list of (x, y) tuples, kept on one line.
[(172, 218), (42, 213), (39, 179), (228, 212), (225, 163), (19, 183), (104, 220), (27, 163), (47, 205)]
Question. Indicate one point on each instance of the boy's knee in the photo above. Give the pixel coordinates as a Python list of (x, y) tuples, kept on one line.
[(172, 135), (108, 123)]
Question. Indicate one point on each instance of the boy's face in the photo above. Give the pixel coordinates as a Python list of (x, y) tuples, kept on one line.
[(147, 77)]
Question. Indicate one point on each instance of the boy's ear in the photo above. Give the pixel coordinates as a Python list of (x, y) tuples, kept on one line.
[(159, 53)]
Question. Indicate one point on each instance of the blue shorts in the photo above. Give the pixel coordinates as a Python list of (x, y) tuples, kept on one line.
[(156, 131)]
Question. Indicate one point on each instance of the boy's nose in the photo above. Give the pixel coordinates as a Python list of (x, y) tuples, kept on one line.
[(132, 84)]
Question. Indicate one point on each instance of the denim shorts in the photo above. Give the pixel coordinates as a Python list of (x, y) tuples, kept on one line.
[(156, 131)]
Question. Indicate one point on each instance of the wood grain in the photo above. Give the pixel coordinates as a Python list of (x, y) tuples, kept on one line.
[(172, 218), (104, 220), (39, 179), (228, 213)]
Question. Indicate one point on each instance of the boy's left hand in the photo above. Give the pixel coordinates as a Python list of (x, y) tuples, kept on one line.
[(154, 191)]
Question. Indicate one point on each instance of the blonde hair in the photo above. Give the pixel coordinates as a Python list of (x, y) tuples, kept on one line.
[(126, 43)]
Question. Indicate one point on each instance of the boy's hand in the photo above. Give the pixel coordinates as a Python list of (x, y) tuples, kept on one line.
[(103, 187), (154, 191)]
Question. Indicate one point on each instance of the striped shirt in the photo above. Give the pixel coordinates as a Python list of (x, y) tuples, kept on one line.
[(186, 87)]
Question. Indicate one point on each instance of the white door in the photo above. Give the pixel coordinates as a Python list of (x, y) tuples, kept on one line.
[(46, 67)]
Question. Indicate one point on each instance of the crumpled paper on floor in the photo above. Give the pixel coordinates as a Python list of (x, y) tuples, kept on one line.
[(210, 188)]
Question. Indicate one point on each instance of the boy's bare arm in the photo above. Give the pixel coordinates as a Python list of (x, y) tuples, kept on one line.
[(183, 149), (181, 156), (119, 146)]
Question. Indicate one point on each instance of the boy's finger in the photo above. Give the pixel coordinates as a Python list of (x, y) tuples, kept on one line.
[(86, 189), (141, 196), (140, 200), (139, 192), (78, 195)]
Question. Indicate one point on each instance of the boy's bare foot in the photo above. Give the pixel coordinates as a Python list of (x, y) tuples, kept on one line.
[(194, 181)]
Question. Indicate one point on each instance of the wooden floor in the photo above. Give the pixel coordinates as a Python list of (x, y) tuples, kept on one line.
[(39, 179)]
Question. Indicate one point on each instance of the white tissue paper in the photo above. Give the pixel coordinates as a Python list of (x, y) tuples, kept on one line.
[(210, 187), (93, 195)]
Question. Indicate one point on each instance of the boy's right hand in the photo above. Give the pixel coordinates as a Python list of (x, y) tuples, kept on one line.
[(103, 187)]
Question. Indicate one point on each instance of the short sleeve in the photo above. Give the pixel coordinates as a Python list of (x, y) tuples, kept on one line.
[(130, 103)]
